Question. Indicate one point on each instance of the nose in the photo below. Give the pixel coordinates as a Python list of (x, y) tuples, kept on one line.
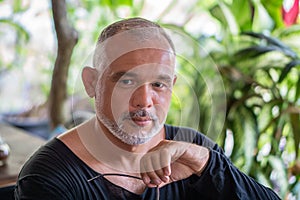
[(142, 97)]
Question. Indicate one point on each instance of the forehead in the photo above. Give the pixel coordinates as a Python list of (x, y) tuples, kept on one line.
[(128, 41), (144, 62)]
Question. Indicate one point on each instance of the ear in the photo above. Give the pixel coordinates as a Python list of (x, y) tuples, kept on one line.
[(89, 77), (174, 80)]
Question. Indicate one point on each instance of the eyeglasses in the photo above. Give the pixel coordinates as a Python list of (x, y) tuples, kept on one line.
[(124, 175)]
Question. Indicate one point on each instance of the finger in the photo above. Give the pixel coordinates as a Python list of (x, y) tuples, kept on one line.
[(149, 180), (158, 165), (165, 159), (154, 179), (146, 167), (146, 163)]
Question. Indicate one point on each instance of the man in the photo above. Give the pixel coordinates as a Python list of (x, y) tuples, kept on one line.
[(127, 151)]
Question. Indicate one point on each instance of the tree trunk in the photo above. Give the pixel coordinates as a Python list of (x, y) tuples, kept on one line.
[(67, 38)]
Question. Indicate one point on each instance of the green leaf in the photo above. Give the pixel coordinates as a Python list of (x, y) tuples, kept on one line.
[(261, 177), (19, 28), (261, 20), (273, 42), (243, 18), (287, 69), (280, 172), (251, 134), (286, 31), (252, 52), (295, 121), (217, 13), (18, 6), (245, 132), (230, 19), (275, 11), (116, 3), (297, 94)]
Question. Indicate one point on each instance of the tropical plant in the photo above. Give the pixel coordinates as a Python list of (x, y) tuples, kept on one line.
[(258, 59), (255, 114), (261, 77)]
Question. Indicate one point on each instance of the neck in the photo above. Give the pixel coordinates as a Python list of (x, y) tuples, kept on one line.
[(112, 152)]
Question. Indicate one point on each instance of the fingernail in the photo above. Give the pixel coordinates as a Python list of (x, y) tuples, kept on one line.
[(155, 182), (165, 179), (146, 180)]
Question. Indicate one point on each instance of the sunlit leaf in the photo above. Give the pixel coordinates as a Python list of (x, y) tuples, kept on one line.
[(295, 121), (251, 134), (274, 10), (245, 133), (265, 116), (116, 3), (243, 18), (217, 13), (261, 177), (231, 22), (279, 173), (287, 31), (18, 27), (19, 7), (297, 94), (261, 20)]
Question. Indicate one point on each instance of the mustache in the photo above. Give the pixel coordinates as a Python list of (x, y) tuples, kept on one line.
[(141, 113)]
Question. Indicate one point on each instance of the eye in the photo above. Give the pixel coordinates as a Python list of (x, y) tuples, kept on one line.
[(158, 85), (125, 82)]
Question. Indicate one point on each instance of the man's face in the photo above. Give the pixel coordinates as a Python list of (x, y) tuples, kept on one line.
[(133, 94)]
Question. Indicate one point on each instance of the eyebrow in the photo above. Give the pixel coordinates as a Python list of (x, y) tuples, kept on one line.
[(116, 76), (167, 78)]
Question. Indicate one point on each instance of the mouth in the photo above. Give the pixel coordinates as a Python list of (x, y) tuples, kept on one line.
[(142, 121), (141, 117)]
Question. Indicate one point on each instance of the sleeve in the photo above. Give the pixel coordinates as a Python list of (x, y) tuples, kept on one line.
[(36, 187), (45, 176), (222, 180)]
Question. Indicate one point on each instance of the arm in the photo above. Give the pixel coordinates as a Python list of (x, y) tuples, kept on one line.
[(211, 173), (222, 179)]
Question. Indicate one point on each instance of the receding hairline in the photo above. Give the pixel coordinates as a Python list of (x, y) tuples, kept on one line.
[(130, 24)]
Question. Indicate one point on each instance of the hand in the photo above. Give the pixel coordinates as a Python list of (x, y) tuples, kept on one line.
[(171, 161)]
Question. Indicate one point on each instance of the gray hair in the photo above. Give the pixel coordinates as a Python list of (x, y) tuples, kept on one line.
[(139, 33)]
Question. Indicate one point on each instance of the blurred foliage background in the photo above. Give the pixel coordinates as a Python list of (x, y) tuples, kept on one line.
[(238, 68)]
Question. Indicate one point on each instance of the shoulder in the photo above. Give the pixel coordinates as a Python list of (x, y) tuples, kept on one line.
[(47, 158), (189, 135), (44, 171)]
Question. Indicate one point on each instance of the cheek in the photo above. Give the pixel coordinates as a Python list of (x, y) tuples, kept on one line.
[(103, 99), (162, 102), (119, 103)]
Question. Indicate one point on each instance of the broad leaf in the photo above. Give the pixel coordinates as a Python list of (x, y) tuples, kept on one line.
[(287, 69), (273, 42), (243, 18), (19, 28), (280, 174), (295, 121), (254, 51), (261, 20)]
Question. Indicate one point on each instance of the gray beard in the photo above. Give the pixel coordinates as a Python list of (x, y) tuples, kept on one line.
[(139, 137)]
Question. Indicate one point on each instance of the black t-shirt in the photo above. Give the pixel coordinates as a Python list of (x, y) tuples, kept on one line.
[(55, 172)]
